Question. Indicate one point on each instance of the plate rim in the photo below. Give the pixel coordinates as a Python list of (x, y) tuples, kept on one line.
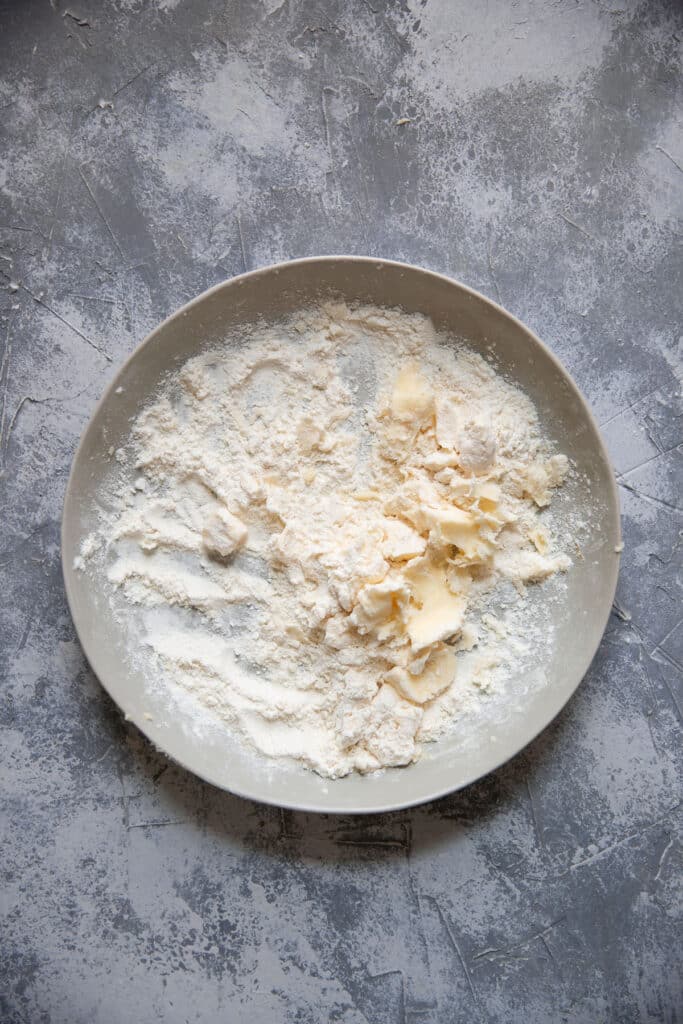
[(379, 262)]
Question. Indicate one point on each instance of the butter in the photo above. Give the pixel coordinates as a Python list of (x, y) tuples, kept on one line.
[(379, 606), (542, 477), (412, 398), (436, 676), (488, 497), (309, 434), (435, 613), (539, 538), (401, 541), (453, 525)]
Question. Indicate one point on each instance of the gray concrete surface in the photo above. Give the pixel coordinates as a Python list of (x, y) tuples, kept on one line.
[(151, 149)]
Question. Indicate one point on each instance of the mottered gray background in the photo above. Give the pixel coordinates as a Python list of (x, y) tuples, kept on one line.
[(151, 148)]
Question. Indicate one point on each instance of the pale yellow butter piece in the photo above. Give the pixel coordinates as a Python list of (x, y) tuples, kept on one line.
[(401, 541), (436, 676), (439, 460), (542, 477), (435, 613), (452, 525), (539, 538), (412, 397), (379, 603), (488, 496)]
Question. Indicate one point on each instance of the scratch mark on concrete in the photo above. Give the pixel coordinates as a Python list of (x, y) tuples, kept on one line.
[(62, 179), (269, 95), (537, 830), (4, 381), (651, 431), (364, 85), (674, 550), (131, 80), (493, 274), (454, 944), (91, 298), (648, 497), (544, 943), (242, 248), (124, 798), (15, 417), (62, 319), (500, 953), (24, 637), (665, 638), (35, 401), (575, 225), (18, 227), (389, 974), (666, 153), (156, 824), (634, 403), (619, 843), (81, 22), (674, 701), (662, 858), (101, 212), (327, 89), (659, 455)]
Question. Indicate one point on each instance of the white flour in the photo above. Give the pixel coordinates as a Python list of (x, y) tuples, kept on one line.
[(324, 532)]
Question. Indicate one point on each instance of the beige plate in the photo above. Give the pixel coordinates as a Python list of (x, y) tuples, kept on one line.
[(579, 620)]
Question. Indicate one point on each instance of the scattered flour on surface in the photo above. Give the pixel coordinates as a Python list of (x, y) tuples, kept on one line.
[(323, 532)]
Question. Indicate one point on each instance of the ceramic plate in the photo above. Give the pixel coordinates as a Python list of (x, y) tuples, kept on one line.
[(482, 742)]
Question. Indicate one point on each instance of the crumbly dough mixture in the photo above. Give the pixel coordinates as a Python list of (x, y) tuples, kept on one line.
[(321, 519)]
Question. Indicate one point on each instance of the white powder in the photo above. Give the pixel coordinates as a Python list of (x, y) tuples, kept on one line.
[(318, 531)]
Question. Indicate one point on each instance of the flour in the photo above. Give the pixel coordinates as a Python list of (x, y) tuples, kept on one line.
[(325, 534)]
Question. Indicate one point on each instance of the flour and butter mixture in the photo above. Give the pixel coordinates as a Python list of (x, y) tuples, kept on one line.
[(325, 531)]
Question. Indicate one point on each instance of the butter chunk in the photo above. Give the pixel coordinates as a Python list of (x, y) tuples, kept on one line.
[(542, 477), (488, 498), (540, 539), (452, 525), (415, 501), (223, 534), (436, 676), (401, 542), (378, 603), (412, 397), (439, 460), (435, 613), (390, 731), (312, 437)]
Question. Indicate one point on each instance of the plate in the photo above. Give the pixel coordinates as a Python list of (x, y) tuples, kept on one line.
[(482, 743)]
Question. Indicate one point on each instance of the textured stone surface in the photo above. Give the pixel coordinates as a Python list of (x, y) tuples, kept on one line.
[(151, 149)]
